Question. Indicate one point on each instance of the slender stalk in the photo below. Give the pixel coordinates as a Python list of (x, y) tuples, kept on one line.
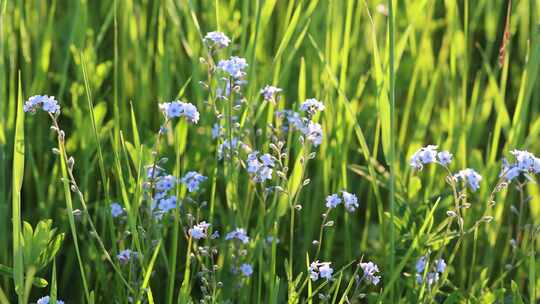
[(392, 138)]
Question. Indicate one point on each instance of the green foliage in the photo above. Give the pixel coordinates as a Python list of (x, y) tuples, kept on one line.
[(41, 245)]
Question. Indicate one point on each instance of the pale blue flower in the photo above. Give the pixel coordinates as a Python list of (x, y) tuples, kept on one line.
[(444, 157), (320, 269), (471, 177), (165, 183), (234, 66), (370, 269), (216, 40), (239, 234), (332, 201), (260, 168), (116, 210), (312, 106), (421, 264), (350, 200), (246, 269), (217, 130), (167, 204), (46, 103), (192, 180), (125, 256), (47, 299), (313, 132), (440, 265), (269, 92), (178, 109), (199, 231), (423, 156)]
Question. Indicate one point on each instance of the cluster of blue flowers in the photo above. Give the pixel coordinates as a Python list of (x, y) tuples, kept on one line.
[(429, 154), (126, 255), (46, 103), (192, 180), (216, 40), (320, 269), (238, 234), (199, 231), (526, 163), (370, 270), (260, 167), (47, 300), (349, 199), (177, 108), (438, 267)]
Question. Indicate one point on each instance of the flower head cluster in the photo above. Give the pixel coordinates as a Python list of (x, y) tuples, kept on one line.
[(216, 40), (230, 147), (47, 299), (332, 201), (234, 67), (125, 256), (349, 199), (246, 269), (370, 270), (438, 267), (178, 109), (320, 269), (311, 130), (269, 92), (471, 177), (311, 106), (260, 168), (44, 102), (239, 234), (525, 163), (192, 180), (161, 185), (429, 154), (116, 210), (313, 133), (199, 231)]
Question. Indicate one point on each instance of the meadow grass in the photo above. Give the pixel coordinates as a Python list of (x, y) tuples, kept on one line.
[(394, 76)]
